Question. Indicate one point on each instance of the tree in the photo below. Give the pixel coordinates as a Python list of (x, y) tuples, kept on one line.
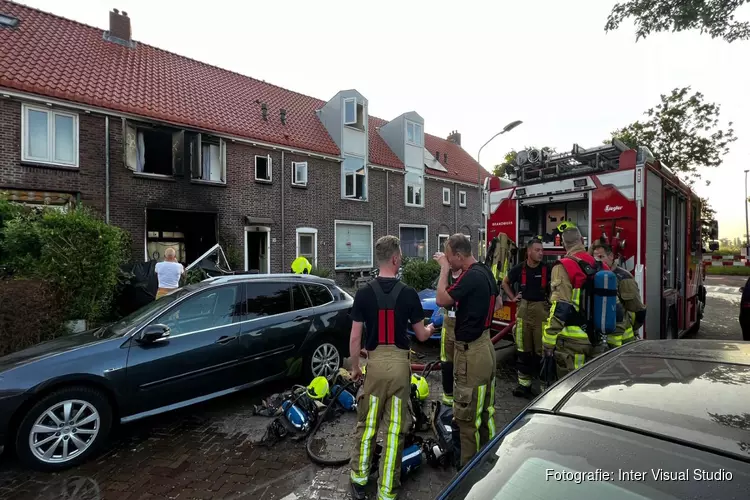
[(707, 215), (683, 132), (500, 170), (715, 17)]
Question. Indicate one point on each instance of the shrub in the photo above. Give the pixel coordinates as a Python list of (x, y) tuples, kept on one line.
[(321, 272), (194, 275), (420, 274), (75, 251), (30, 312)]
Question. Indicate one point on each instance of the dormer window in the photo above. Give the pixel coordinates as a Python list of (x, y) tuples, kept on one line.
[(354, 113), (414, 133)]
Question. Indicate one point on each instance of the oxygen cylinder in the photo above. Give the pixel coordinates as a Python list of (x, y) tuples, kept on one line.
[(412, 459), (345, 399), (295, 415)]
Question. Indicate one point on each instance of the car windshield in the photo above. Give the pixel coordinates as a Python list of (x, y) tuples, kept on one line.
[(548, 456), (124, 325)]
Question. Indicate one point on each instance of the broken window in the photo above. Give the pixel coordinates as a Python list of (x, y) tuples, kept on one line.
[(263, 166), (354, 178), (154, 150)]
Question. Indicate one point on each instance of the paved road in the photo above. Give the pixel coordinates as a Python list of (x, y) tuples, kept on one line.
[(214, 451)]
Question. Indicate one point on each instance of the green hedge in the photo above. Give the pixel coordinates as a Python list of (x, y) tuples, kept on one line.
[(74, 251), (420, 274), (728, 270)]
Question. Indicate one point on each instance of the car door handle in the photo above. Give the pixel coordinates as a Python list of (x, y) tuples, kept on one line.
[(301, 318), (224, 339)]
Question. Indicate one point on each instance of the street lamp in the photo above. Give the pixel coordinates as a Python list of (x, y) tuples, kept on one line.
[(505, 129), (747, 228)]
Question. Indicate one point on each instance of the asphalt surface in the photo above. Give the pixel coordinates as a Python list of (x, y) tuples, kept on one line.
[(215, 450)]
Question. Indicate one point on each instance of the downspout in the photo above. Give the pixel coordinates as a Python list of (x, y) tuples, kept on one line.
[(106, 169), (455, 208), (283, 234), (387, 202)]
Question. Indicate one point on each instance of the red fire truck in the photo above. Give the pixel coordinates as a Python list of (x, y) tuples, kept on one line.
[(617, 195)]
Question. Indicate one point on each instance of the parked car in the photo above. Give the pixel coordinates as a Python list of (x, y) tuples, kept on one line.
[(58, 399), (661, 419), (427, 297)]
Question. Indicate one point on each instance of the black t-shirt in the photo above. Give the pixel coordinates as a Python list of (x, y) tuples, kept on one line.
[(474, 292), (533, 290), (408, 311)]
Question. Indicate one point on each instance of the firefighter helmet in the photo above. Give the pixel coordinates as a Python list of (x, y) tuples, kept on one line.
[(567, 224), (318, 388), (423, 389)]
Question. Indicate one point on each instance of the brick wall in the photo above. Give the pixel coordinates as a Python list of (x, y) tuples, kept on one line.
[(316, 206)]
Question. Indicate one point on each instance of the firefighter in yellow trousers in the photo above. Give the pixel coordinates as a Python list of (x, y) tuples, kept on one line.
[(562, 334), (631, 313), (447, 345)]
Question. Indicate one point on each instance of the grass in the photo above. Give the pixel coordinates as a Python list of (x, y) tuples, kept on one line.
[(727, 270)]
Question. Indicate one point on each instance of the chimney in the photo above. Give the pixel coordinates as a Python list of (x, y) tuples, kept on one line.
[(282, 113), (445, 158), (119, 25), (455, 137)]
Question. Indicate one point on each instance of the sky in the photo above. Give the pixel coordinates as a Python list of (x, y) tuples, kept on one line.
[(471, 66)]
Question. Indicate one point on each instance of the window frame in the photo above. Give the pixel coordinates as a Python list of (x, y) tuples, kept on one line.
[(418, 139), (426, 238), (442, 236), (310, 285), (51, 113), (222, 159), (296, 164), (311, 231), (269, 167), (338, 222), (348, 100), (354, 174), (462, 194), (447, 190), (421, 186)]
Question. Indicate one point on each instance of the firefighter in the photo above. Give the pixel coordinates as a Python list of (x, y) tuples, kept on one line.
[(629, 305), (531, 279), (447, 342), (562, 334), (301, 266), (386, 307), (474, 295)]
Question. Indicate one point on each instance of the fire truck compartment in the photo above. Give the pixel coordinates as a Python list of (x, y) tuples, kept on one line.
[(537, 219)]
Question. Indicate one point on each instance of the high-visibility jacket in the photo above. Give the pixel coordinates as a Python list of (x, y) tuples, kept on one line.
[(566, 286)]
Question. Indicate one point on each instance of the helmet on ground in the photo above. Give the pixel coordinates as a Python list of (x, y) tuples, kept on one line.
[(318, 388), (423, 389)]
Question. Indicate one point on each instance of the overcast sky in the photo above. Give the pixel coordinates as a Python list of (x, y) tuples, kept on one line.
[(467, 65)]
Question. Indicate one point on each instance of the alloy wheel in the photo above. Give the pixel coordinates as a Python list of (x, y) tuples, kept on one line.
[(325, 360), (64, 431)]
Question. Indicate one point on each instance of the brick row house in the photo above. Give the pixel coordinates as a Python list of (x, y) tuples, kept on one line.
[(180, 153)]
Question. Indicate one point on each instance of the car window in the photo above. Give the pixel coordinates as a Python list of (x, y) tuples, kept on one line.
[(299, 299), (319, 294), (267, 299), (123, 325), (209, 309)]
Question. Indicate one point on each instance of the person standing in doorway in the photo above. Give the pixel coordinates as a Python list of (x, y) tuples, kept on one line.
[(386, 306), (531, 279), (169, 273), (474, 295)]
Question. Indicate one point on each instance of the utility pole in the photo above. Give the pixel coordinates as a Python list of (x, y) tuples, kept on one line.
[(482, 241)]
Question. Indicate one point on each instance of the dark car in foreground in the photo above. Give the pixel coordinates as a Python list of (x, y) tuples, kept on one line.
[(58, 399), (657, 420)]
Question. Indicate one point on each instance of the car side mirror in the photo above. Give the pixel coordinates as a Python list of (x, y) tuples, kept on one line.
[(152, 333)]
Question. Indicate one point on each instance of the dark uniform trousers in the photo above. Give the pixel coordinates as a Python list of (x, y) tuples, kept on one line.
[(474, 366)]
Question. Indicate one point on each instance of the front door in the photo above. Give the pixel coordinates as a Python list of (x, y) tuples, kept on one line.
[(200, 357), (256, 249)]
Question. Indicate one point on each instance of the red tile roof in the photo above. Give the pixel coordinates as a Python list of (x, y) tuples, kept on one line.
[(56, 57)]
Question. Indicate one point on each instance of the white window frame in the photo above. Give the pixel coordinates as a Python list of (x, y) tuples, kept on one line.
[(314, 233), (335, 243), (421, 187), (446, 201), (51, 113), (269, 168), (426, 237), (462, 199), (417, 132), (345, 174), (346, 101), (441, 246), (299, 164), (222, 159)]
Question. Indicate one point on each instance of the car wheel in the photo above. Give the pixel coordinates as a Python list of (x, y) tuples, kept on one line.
[(324, 359), (64, 428)]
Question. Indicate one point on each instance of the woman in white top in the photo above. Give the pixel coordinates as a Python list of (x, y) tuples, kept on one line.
[(169, 273)]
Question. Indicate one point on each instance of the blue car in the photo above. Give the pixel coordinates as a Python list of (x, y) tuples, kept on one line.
[(429, 306)]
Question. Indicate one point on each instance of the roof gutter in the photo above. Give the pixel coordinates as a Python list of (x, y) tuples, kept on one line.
[(461, 183), (7, 93)]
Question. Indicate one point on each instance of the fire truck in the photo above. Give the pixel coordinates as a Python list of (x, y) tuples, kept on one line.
[(615, 195)]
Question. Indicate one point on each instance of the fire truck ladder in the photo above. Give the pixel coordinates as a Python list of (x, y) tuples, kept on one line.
[(533, 166)]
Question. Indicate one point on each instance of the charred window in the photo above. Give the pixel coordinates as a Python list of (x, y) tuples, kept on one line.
[(153, 150)]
